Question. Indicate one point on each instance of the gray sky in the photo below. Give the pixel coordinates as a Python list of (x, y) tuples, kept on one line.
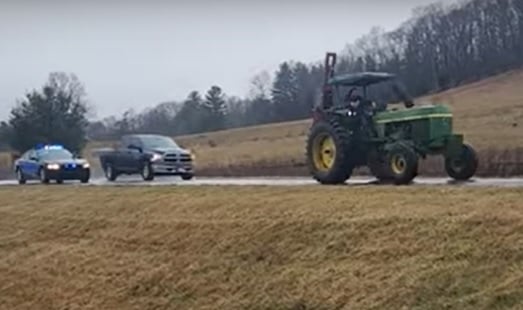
[(139, 53)]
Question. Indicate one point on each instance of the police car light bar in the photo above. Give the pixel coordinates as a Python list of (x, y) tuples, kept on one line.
[(49, 147)]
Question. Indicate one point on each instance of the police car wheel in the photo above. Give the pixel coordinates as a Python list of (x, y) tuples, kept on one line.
[(85, 178), (20, 176), (43, 176)]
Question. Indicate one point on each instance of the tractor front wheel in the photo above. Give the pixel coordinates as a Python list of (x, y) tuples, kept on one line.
[(402, 162), (378, 167), (463, 167), (328, 153)]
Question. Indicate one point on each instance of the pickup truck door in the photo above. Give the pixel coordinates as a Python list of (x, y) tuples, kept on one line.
[(121, 159), (135, 149), (133, 158)]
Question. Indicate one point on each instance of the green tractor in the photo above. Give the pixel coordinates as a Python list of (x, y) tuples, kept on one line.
[(349, 131)]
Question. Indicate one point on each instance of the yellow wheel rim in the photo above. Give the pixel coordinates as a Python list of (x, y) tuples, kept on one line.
[(324, 152), (398, 164)]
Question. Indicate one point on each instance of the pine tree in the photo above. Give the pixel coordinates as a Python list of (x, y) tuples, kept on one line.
[(216, 108), (285, 94), (56, 114), (190, 117)]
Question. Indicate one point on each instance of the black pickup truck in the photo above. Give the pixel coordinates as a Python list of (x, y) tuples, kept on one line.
[(148, 155)]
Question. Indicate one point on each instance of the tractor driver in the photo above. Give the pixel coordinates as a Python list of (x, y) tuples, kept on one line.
[(359, 105)]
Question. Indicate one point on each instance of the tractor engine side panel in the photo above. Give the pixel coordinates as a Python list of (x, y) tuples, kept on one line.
[(428, 126)]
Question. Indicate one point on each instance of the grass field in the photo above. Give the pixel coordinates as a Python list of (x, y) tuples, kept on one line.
[(489, 113), (261, 248)]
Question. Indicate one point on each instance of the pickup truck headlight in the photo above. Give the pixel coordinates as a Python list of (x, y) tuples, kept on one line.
[(156, 157), (53, 166), (86, 165)]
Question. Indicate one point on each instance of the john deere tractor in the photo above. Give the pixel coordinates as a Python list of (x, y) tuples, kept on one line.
[(350, 130)]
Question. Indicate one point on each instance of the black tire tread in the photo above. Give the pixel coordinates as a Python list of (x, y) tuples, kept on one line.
[(187, 177), (46, 180), (470, 169), (343, 165), (411, 160), (22, 180), (114, 173), (149, 177)]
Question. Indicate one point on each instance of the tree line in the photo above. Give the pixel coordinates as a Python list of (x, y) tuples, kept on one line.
[(440, 47), (289, 97)]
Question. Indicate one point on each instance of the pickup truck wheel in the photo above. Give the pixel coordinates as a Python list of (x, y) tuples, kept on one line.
[(187, 177), (110, 173), (147, 172)]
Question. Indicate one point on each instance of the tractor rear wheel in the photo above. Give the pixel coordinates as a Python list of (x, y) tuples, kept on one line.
[(402, 163), (463, 167), (328, 153)]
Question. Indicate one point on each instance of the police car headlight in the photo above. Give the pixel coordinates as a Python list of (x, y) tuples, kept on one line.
[(86, 165), (156, 157), (53, 166)]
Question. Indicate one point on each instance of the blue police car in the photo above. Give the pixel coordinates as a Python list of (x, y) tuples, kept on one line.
[(51, 162)]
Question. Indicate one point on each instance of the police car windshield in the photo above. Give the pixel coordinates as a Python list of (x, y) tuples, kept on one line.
[(158, 142), (54, 154)]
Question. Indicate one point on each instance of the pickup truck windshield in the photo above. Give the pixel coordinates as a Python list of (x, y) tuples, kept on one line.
[(159, 142)]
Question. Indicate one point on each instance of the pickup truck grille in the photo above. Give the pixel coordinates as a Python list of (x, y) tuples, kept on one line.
[(185, 157), (177, 158)]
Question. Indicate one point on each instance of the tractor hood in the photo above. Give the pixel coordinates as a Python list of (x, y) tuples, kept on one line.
[(415, 113)]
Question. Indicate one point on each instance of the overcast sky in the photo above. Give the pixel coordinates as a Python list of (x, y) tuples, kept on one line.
[(139, 53)]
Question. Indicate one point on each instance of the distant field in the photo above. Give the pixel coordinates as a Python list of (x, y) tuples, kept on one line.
[(261, 248), (489, 113)]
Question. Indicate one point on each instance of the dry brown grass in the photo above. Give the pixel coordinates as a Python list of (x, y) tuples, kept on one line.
[(261, 248), (489, 113)]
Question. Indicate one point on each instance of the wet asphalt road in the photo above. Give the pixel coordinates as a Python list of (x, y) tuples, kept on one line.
[(277, 181)]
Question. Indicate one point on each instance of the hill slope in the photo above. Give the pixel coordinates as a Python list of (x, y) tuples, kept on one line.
[(261, 248), (489, 113)]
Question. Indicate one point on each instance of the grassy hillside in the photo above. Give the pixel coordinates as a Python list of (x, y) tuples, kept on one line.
[(489, 113), (261, 248)]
